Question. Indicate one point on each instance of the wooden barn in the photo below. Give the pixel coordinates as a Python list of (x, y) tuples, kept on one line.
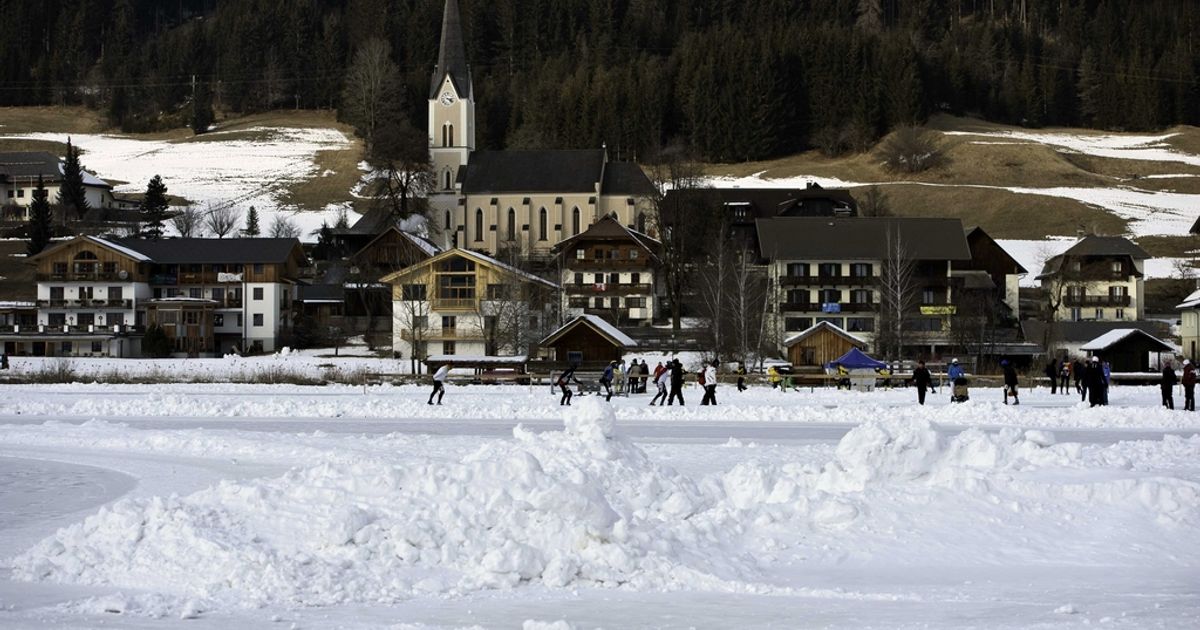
[(819, 344), (586, 341), (1128, 349)]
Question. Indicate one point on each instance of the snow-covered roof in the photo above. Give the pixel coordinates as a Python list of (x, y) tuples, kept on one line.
[(422, 244), (510, 268), (88, 178), (790, 341), (602, 326), (1191, 301), (1112, 337), (138, 256)]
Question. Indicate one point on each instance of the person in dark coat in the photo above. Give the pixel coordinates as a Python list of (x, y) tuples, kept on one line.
[(741, 374), (1080, 371), (676, 383), (923, 380), (1189, 386), (1052, 374), (1065, 375), (564, 382), (1010, 383), (606, 379), (1093, 382), (1168, 385)]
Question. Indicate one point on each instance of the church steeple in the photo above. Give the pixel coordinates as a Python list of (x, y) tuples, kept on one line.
[(452, 57)]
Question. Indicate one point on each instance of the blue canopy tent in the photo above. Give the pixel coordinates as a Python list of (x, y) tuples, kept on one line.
[(855, 359), (857, 370)]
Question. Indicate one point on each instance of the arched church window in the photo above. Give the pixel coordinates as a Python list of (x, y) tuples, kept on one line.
[(451, 135), (641, 222), (444, 135), (575, 221), (512, 224), (447, 180), (479, 224), (447, 219), (542, 219)]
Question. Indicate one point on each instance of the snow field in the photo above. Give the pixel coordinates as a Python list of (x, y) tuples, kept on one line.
[(504, 403), (586, 508)]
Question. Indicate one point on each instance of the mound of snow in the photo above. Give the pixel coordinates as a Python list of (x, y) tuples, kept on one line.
[(577, 507)]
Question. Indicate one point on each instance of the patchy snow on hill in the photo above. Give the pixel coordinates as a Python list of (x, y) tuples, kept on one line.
[(214, 171), (1123, 147)]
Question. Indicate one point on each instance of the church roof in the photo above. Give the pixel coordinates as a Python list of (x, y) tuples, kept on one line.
[(452, 57), (533, 171), (626, 178)]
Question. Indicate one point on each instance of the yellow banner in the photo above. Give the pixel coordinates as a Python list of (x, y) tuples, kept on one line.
[(938, 310)]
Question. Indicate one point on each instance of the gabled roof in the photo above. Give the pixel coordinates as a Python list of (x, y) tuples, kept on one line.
[(608, 228), (216, 250), (606, 330), (765, 203), (27, 165), (1119, 335), (429, 249), (1191, 301), (1106, 246), (818, 327), (975, 230), (859, 238), (533, 171), (626, 178), (478, 258), (95, 240), (1195, 227), (452, 55)]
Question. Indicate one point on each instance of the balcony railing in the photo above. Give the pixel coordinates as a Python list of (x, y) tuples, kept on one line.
[(817, 307), (1096, 300), (825, 279), (608, 289), (442, 334), (602, 264), (453, 304), (84, 276)]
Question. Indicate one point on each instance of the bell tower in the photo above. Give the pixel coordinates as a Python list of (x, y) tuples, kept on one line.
[(451, 111)]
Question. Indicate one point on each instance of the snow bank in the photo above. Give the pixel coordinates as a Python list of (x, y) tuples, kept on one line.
[(585, 507)]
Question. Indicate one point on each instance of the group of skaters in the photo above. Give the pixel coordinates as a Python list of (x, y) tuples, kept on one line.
[(1170, 379), (668, 380)]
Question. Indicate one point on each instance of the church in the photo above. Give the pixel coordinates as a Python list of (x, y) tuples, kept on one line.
[(515, 202)]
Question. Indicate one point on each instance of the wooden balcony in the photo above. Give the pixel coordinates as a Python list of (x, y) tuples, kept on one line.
[(792, 281), (442, 334), (608, 289), (453, 304), (86, 276), (817, 307), (1097, 300)]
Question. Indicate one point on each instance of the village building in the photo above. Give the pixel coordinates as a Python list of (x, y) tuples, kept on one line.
[(521, 201), (1099, 278), (609, 270), (1189, 326), (1129, 350), (832, 269), (1066, 339), (819, 344), (587, 342), (96, 296), (462, 302), (19, 172), (1001, 268)]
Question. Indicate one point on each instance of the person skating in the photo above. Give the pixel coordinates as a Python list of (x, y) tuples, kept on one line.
[(676, 383), (1093, 382), (564, 382), (662, 380), (606, 379), (1168, 385), (439, 383), (1078, 369), (1064, 376), (710, 385), (923, 380), (1052, 374), (1010, 383), (773, 377), (741, 374), (1106, 369), (1189, 386)]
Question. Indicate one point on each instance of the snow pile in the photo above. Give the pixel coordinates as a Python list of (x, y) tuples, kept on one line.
[(576, 507)]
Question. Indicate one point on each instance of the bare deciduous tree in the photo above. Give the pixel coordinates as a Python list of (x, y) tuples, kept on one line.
[(897, 295), (411, 317), (187, 222), (874, 203), (221, 220), (283, 227), (912, 150), (714, 287)]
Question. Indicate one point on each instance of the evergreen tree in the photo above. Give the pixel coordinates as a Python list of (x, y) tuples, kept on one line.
[(154, 209), (251, 229), (1088, 89), (40, 228), (72, 195), (202, 112)]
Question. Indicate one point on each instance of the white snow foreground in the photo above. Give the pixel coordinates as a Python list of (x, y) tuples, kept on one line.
[(585, 507)]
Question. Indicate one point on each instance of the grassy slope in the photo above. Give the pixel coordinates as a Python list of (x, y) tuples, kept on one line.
[(1002, 213)]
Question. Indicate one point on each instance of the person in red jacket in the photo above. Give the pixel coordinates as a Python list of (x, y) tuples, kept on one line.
[(1189, 386)]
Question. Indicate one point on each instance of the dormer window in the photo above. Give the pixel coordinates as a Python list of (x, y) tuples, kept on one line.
[(1117, 268)]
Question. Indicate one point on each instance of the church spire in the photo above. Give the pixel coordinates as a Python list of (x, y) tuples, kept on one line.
[(452, 58)]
